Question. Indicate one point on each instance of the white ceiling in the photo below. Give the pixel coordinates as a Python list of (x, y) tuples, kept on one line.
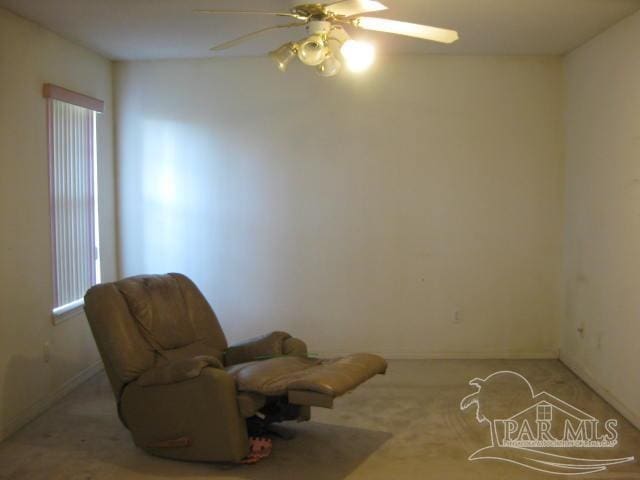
[(152, 29)]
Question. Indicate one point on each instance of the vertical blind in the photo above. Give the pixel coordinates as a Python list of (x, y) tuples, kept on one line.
[(73, 200)]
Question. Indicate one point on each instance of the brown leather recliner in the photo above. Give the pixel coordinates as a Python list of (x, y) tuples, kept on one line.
[(182, 391)]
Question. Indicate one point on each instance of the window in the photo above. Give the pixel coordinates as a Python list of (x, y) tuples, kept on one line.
[(73, 196), (544, 412)]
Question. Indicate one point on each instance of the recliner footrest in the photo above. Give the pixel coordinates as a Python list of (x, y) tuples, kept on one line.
[(307, 381), (310, 399)]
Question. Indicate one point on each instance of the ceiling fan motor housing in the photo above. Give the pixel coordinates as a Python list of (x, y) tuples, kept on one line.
[(318, 27)]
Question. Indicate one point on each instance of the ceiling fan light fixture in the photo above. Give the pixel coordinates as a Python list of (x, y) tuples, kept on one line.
[(358, 55), (327, 45), (313, 50), (282, 56), (330, 67)]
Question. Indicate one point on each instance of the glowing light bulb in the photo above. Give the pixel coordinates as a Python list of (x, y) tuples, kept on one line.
[(358, 56)]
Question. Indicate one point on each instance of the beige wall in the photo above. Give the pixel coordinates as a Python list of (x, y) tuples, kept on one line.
[(357, 212), (29, 57), (602, 270)]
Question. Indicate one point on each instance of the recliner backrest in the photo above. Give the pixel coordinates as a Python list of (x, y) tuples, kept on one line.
[(142, 321)]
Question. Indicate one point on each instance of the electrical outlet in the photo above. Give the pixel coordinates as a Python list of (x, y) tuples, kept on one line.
[(46, 352), (457, 317)]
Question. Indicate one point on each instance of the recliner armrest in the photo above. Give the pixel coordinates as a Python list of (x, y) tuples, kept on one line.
[(271, 345), (197, 419), (177, 371), (294, 346)]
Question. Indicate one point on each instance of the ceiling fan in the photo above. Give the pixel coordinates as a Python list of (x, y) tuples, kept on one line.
[(328, 44)]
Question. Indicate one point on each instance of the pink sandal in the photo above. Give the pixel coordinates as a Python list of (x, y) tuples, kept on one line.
[(259, 448)]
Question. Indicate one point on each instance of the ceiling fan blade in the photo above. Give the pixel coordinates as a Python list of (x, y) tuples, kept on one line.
[(424, 32), (236, 41), (250, 12), (347, 8)]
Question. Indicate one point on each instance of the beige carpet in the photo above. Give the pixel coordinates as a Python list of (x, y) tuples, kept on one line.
[(405, 425)]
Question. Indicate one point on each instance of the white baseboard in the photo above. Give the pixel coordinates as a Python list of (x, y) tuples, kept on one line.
[(502, 355), (39, 407), (611, 398)]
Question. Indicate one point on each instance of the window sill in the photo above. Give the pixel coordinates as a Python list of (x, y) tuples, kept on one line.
[(67, 312)]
